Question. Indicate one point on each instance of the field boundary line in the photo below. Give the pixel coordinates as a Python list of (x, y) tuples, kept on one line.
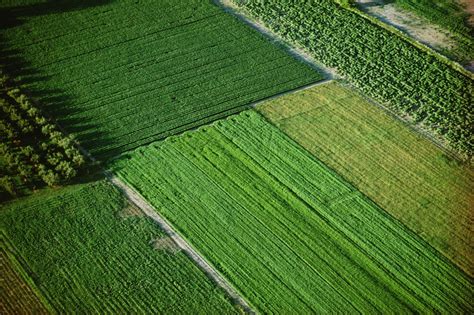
[(296, 51), (301, 53), (293, 91), (136, 198)]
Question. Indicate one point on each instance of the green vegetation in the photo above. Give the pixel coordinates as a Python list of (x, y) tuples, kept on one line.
[(447, 13), (120, 74), (90, 252), (17, 294), (396, 167), (32, 149), (383, 65), (450, 15), (291, 234)]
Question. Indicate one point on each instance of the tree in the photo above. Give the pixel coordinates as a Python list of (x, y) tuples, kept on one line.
[(7, 184)]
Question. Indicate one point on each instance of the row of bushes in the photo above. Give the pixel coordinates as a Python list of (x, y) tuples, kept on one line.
[(380, 63), (33, 152)]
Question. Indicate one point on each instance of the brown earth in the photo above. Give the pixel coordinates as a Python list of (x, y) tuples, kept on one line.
[(165, 243), (131, 211), (415, 26), (468, 6)]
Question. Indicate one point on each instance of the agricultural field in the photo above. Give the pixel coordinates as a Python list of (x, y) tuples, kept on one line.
[(291, 234), (89, 251), (120, 74), (234, 157), (398, 168), (409, 80), (16, 292), (455, 16)]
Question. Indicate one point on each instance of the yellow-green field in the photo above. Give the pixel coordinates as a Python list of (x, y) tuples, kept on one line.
[(402, 171)]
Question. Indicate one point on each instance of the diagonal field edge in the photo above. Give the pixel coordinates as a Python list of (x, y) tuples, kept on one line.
[(134, 197)]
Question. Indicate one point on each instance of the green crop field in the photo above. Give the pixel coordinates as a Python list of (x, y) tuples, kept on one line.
[(380, 63), (286, 230), (17, 295), (402, 171), (119, 74), (145, 113), (89, 252)]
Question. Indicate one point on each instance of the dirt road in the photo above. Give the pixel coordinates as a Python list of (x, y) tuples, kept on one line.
[(139, 201)]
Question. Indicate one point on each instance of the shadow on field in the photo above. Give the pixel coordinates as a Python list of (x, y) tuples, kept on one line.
[(11, 16), (55, 103)]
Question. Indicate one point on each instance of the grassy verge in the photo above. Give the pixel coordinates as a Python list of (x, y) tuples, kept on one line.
[(451, 16)]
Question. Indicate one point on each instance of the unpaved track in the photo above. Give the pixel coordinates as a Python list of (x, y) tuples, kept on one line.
[(139, 201), (330, 74), (136, 199)]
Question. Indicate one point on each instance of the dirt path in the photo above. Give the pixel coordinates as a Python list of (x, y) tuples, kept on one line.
[(139, 201), (332, 74), (136, 200), (415, 26)]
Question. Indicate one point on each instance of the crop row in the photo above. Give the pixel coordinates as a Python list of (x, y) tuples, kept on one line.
[(290, 234), (136, 73), (89, 252), (383, 65), (399, 169), (16, 294)]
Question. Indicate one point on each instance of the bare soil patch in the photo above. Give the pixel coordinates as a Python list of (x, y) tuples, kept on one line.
[(415, 26), (468, 6), (165, 243), (131, 211)]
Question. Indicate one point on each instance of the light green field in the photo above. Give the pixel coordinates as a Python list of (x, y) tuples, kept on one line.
[(410, 80), (87, 251), (287, 231), (402, 171)]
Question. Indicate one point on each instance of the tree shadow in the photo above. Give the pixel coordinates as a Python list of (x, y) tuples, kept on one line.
[(55, 103), (11, 16)]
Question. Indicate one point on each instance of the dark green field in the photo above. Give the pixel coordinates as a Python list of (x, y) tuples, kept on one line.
[(301, 157), (119, 74)]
